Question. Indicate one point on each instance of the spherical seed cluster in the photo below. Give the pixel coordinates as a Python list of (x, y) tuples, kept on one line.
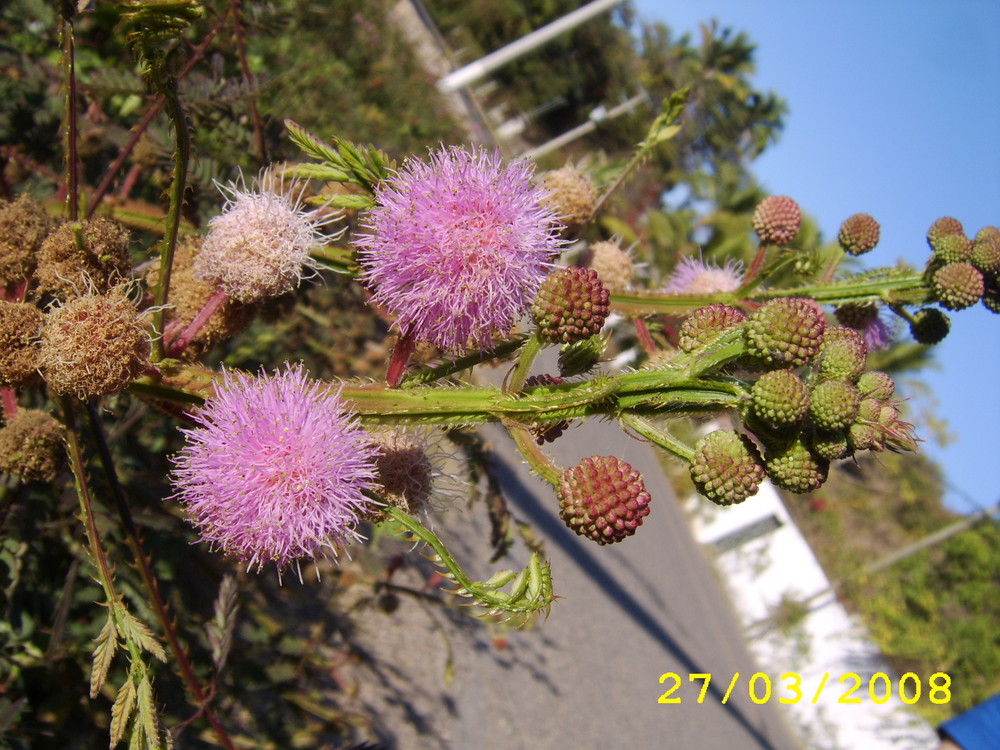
[(259, 246), (23, 226), (859, 234), (776, 220), (572, 196), (405, 477), (877, 385), (68, 268), (957, 286), (276, 470), (706, 324), (727, 467), (833, 404), (794, 468), (31, 446), (780, 398), (94, 345), (571, 305), (843, 355), (458, 246), (941, 227), (951, 248), (20, 326), (613, 264), (830, 446), (602, 498), (929, 326), (785, 332)]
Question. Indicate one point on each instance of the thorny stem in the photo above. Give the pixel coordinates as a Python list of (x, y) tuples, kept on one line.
[(116, 166), (241, 51), (432, 374), (909, 289), (146, 571), (72, 157), (524, 361), (654, 434), (77, 465), (172, 105), (532, 452)]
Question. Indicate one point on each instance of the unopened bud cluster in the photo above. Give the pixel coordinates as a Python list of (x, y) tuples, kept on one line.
[(813, 403), (776, 220), (961, 271)]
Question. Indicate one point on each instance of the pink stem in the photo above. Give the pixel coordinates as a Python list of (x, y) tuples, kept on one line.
[(758, 263), (9, 403), (406, 344), (645, 338)]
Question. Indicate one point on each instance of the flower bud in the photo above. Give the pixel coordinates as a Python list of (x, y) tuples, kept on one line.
[(24, 224), (793, 468), (727, 467), (859, 234), (843, 354), (951, 248), (20, 326), (94, 345), (929, 326), (602, 498), (405, 477), (957, 286), (942, 227), (581, 356), (572, 196), (612, 264), (876, 384), (785, 332), (776, 220), (985, 255), (780, 398), (831, 446), (571, 305), (31, 446), (706, 324), (833, 404)]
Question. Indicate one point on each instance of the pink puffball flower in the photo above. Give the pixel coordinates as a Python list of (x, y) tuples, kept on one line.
[(276, 469), (694, 277), (259, 245), (457, 246)]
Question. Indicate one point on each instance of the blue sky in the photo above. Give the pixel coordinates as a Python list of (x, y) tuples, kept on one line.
[(894, 111)]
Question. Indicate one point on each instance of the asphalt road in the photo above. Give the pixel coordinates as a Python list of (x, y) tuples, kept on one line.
[(589, 675)]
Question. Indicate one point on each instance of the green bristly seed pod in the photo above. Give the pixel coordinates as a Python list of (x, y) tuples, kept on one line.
[(581, 356), (727, 467)]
